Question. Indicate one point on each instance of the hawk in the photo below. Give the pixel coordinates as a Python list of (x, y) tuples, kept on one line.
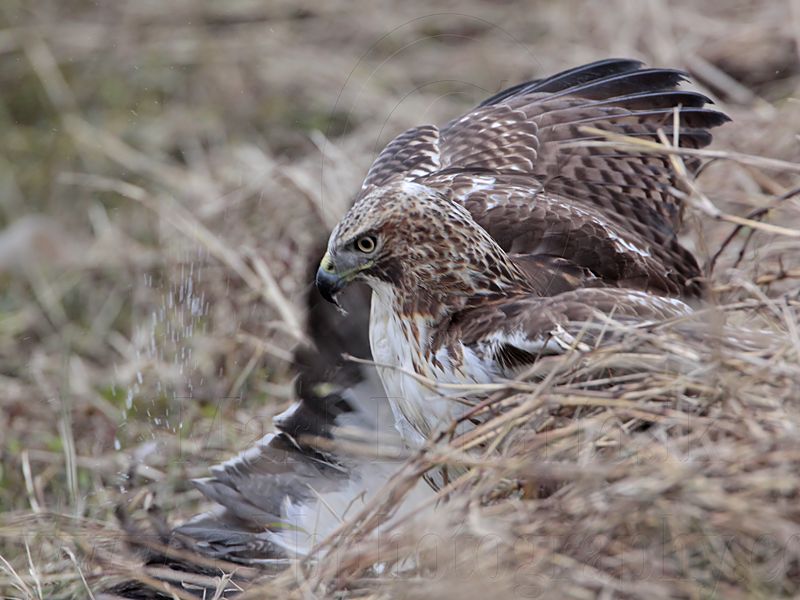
[(495, 239), (487, 243)]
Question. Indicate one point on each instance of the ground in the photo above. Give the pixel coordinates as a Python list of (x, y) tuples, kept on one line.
[(168, 172)]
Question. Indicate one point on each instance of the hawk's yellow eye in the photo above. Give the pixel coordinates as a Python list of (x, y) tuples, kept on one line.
[(366, 244)]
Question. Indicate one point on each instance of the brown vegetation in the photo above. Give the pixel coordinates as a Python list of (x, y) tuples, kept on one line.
[(167, 173)]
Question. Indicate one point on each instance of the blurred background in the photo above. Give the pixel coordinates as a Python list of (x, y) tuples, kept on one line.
[(169, 172)]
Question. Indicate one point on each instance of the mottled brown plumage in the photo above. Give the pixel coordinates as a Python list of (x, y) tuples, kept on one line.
[(494, 238)]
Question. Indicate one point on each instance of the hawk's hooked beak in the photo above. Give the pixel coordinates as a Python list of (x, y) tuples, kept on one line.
[(329, 282)]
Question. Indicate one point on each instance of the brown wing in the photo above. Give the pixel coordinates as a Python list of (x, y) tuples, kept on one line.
[(613, 95), (515, 332), (612, 212), (412, 154), (526, 221)]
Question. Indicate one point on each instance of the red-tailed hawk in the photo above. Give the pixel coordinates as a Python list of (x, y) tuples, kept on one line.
[(495, 239), (487, 243)]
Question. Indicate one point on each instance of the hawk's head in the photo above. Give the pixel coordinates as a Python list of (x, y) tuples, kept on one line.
[(412, 240)]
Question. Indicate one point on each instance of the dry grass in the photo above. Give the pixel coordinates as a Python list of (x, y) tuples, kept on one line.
[(166, 175)]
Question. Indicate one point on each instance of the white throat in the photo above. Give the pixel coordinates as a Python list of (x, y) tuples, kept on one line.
[(418, 409)]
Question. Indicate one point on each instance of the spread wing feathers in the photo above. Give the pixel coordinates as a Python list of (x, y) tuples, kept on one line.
[(568, 78), (272, 498), (253, 491), (514, 332), (620, 252), (523, 146), (274, 501), (282, 496)]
